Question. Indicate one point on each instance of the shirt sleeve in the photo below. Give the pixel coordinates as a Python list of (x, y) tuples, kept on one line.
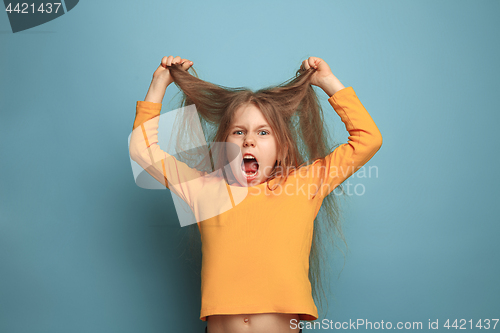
[(177, 176), (364, 141)]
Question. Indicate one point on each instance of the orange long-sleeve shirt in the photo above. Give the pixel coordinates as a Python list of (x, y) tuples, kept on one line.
[(256, 243)]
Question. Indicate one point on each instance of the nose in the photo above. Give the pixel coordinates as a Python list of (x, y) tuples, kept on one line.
[(249, 142)]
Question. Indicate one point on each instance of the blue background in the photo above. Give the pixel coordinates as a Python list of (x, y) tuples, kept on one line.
[(84, 249)]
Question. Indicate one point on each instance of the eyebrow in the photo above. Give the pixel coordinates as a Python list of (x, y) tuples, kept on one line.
[(241, 126)]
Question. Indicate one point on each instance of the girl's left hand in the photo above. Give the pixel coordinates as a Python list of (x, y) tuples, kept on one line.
[(323, 71)]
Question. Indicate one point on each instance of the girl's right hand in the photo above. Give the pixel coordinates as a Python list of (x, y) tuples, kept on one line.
[(162, 73)]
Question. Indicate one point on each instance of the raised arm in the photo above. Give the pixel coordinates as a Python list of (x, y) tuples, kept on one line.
[(364, 139), (144, 149)]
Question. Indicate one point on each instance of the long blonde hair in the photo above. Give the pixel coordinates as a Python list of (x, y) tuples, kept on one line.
[(292, 107)]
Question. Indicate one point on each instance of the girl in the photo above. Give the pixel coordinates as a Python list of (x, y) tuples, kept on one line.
[(257, 198)]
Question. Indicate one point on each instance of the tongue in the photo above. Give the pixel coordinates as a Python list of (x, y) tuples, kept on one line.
[(251, 165)]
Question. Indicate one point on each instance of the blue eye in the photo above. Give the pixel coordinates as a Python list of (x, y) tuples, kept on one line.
[(259, 131)]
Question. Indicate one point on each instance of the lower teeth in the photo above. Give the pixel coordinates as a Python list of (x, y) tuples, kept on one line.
[(251, 174)]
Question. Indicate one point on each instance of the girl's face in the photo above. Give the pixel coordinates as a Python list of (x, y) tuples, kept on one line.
[(251, 133)]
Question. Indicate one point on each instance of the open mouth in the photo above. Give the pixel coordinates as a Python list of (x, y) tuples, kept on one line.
[(249, 166)]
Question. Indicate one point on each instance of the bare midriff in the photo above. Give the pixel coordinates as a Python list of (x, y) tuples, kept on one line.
[(253, 323)]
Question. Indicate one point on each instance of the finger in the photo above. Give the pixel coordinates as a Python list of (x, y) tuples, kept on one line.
[(186, 64), (177, 60), (313, 62), (305, 65), (318, 62), (164, 61), (169, 60)]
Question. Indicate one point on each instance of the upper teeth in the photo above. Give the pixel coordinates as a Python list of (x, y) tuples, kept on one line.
[(248, 157)]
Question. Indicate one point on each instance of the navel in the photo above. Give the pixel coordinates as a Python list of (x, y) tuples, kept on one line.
[(246, 320)]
